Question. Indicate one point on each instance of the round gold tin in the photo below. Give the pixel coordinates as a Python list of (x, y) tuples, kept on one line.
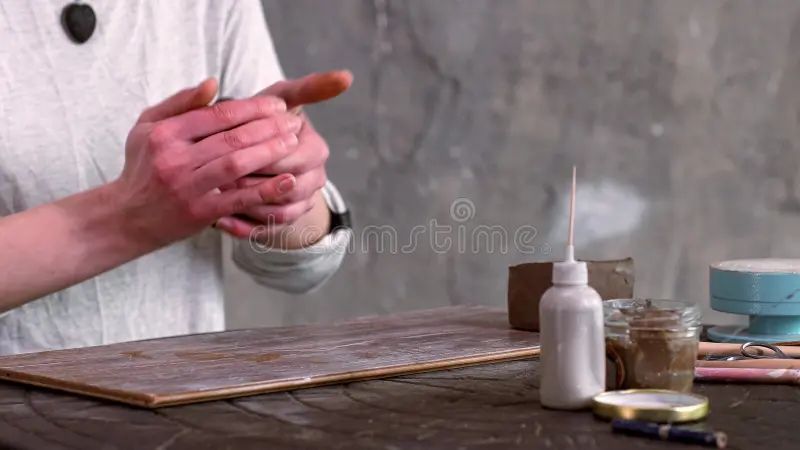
[(651, 405)]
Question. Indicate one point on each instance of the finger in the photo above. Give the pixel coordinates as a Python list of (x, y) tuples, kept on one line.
[(221, 116), (235, 165), (312, 152), (181, 102), (228, 186), (228, 203), (271, 215), (307, 185), (238, 227), (244, 136), (278, 211), (247, 182), (312, 88)]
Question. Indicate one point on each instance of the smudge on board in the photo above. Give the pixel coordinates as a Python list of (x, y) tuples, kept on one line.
[(201, 356), (266, 357), (136, 354)]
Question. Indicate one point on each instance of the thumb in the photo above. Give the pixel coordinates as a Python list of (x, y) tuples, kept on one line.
[(181, 102), (312, 88)]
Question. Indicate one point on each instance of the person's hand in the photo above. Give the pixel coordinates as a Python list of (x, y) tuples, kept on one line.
[(180, 152), (307, 164)]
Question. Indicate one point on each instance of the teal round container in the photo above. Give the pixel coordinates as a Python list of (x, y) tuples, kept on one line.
[(765, 290)]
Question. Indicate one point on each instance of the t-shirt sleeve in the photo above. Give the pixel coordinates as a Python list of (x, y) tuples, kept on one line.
[(249, 61)]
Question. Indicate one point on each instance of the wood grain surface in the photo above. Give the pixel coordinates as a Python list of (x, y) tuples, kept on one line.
[(211, 366), (486, 407)]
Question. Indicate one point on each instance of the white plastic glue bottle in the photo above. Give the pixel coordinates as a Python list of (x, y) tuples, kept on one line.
[(571, 333)]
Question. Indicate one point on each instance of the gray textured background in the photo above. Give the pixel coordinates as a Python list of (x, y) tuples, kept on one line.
[(682, 117)]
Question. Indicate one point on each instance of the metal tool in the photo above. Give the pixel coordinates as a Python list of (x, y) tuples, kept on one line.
[(752, 350)]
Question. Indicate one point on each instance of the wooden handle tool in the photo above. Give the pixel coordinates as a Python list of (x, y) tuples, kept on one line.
[(747, 375), (770, 363)]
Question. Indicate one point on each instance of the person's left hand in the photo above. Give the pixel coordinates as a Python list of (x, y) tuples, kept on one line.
[(306, 163), (308, 167)]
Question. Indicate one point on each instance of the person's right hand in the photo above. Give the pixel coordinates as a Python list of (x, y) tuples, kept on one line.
[(181, 150)]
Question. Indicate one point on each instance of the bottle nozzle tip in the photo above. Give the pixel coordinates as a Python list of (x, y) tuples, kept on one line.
[(570, 257)]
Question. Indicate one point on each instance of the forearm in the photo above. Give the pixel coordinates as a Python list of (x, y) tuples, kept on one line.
[(53, 246)]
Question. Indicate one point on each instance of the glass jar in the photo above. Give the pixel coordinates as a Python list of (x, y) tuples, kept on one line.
[(651, 344)]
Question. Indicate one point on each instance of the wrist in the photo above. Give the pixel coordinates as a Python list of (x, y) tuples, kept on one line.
[(113, 221), (309, 228), (306, 231), (318, 220)]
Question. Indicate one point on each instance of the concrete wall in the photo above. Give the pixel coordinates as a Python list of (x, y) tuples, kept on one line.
[(682, 117)]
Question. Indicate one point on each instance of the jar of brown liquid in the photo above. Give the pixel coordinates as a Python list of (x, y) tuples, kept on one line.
[(651, 344)]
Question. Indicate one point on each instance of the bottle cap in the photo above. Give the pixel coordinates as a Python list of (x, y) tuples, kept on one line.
[(652, 405), (570, 272)]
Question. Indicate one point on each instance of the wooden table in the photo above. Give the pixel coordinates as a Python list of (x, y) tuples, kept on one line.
[(492, 406)]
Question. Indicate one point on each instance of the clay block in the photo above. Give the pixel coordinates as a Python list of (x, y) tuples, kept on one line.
[(527, 282)]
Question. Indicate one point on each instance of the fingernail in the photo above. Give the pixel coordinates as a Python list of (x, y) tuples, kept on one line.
[(293, 124), (290, 140), (224, 223), (286, 184), (280, 105), (269, 104)]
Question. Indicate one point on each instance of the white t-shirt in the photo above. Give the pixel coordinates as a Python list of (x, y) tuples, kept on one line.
[(65, 112)]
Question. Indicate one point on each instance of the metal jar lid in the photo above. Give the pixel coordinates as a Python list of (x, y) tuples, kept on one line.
[(651, 314), (651, 405)]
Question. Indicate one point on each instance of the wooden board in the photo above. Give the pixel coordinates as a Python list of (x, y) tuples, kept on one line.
[(212, 366)]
